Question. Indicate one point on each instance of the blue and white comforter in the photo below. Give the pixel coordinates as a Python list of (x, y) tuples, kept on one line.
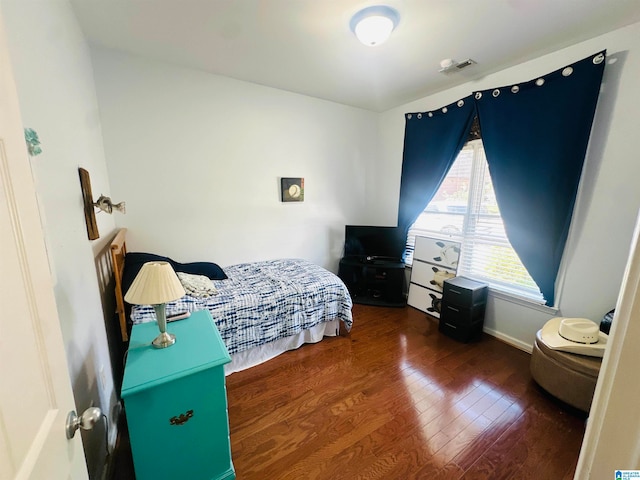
[(264, 301)]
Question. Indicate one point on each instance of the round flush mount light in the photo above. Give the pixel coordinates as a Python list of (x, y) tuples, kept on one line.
[(373, 25)]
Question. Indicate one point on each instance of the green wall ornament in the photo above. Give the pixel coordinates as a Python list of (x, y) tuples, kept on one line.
[(33, 142)]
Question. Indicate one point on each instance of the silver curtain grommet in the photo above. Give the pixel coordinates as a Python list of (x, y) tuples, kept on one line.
[(478, 95), (567, 71), (419, 116), (460, 103), (515, 89), (598, 58), (496, 92), (409, 116), (430, 114), (540, 82), (445, 110)]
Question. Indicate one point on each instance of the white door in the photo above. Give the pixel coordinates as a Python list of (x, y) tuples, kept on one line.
[(35, 389)]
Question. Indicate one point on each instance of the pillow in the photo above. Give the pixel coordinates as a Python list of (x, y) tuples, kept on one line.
[(134, 261), (208, 269), (197, 286)]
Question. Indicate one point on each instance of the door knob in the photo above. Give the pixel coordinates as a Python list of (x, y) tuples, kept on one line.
[(86, 421)]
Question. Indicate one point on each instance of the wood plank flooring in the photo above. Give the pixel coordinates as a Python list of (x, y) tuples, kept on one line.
[(395, 399)]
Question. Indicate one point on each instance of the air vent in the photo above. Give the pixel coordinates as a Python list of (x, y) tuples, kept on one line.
[(448, 65), (465, 64)]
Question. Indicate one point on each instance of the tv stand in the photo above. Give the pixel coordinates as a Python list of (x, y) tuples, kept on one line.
[(374, 280)]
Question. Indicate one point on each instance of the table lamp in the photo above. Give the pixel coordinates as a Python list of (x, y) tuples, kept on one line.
[(156, 284)]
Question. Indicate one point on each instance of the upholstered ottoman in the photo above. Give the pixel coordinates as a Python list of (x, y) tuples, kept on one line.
[(567, 376)]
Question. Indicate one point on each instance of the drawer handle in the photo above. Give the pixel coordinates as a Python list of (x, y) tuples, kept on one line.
[(457, 292), (182, 418), (450, 326), (451, 308)]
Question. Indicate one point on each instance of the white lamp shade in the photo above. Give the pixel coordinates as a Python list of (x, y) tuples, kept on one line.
[(374, 30), (373, 25), (155, 283)]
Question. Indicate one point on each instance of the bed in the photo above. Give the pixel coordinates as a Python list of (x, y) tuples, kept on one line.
[(261, 309)]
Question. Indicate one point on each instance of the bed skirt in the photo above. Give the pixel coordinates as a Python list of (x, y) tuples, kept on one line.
[(256, 356)]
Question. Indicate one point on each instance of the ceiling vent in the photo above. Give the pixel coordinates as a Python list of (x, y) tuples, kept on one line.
[(448, 65)]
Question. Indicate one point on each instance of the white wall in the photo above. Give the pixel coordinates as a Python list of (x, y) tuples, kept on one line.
[(57, 98), (198, 157), (608, 202), (611, 440)]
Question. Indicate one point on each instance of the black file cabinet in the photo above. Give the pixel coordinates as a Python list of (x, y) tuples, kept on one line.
[(463, 306)]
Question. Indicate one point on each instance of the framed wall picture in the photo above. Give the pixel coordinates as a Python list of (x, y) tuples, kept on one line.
[(89, 211), (292, 189)]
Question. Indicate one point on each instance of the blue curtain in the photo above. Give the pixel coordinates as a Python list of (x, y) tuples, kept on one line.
[(432, 141), (535, 136)]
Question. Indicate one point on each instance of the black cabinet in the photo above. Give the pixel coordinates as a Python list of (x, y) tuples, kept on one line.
[(463, 306), (374, 281)]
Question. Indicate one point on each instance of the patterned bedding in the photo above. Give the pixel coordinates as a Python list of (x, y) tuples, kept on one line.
[(265, 301)]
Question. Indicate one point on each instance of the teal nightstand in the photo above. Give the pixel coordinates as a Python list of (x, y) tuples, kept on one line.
[(176, 402)]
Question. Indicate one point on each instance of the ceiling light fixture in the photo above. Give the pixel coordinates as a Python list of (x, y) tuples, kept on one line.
[(373, 25)]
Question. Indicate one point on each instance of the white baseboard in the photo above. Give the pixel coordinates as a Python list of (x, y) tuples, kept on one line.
[(514, 342)]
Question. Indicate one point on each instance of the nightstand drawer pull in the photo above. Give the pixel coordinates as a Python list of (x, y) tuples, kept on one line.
[(451, 308), (457, 292), (182, 418)]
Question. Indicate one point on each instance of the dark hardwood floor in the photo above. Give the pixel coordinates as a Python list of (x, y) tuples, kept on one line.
[(395, 399)]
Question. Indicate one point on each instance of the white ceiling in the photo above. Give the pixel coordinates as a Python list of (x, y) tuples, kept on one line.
[(305, 46)]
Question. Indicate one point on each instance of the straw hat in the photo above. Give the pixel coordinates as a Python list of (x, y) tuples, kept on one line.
[(574, 335)]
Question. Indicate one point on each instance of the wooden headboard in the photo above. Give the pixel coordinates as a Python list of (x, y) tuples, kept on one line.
[(118, 251)]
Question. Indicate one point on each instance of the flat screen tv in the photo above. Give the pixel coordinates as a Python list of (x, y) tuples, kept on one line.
[(374, 242)]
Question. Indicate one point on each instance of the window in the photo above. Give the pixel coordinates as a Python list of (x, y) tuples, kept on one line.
[(465, 210)]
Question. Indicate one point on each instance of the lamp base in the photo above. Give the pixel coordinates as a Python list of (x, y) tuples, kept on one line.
[(164, 340)]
